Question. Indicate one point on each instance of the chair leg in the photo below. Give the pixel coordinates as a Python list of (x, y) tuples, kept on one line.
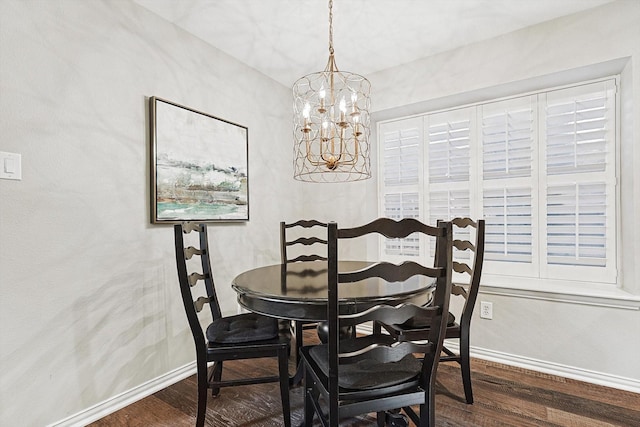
[(299, 332), (465, 366), (283, 367), (203, 386), (216, 376), (309, 410), (428, 409)]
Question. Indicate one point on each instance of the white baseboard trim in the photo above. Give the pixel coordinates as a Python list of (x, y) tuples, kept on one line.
[(585, 375), (593, 377), (126, 398)]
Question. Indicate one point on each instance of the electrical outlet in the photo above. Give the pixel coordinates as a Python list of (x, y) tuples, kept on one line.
[(486, 310)]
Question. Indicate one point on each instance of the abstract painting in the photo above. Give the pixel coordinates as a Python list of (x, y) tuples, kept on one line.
[(198, 166)]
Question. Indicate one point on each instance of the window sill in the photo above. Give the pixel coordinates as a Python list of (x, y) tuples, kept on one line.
[(560, 291)]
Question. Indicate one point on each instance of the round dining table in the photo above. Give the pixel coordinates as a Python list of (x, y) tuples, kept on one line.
[(298, 291)]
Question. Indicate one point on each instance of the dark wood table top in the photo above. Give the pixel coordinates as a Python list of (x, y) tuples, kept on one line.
[(298, 291)]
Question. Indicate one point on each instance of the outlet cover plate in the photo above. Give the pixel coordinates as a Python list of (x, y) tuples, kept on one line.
[(486, 310)]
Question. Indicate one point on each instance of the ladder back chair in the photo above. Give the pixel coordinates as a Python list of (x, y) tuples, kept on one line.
[(350, 376), (306, 245), (468, 254), (243, 336)]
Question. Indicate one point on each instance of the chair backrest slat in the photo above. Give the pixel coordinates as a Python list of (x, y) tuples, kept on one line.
[(390, 272), (394, 315), (306, 242), (390, 228), (460, 267), (306, 223), (386, 353), (307, 258), (194, 278)]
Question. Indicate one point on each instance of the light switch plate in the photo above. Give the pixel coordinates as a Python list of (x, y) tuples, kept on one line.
[(10, 165)]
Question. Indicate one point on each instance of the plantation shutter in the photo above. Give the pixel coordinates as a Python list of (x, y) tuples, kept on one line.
[(401, 166), (539, 168), (448, 136), (508, 230), (398, 206), (449, 141), (401, 156), (446, 205), (576, 224), (507, 136), (579, 128), (576, 130)]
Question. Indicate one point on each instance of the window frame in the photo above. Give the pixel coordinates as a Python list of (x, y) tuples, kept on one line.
[(534, 280)]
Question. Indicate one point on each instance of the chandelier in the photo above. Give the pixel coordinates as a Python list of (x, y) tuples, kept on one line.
[(331, 123)]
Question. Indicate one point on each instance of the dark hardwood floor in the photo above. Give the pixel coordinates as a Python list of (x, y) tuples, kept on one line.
[(504, 396)]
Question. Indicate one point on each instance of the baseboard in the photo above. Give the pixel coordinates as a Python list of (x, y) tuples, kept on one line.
[(121, 400), (579, 374)]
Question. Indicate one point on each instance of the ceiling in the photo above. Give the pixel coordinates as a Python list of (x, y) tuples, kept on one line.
[(286, 39)]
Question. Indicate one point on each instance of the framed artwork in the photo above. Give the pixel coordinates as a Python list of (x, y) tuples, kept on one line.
[(199, 166)]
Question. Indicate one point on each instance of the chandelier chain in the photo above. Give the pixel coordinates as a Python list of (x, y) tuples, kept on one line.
[(331, 27)]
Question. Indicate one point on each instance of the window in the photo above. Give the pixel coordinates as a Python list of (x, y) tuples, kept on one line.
[(540, 168), (402, 175)]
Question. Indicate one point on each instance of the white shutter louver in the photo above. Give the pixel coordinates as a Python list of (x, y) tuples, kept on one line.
[(401, 156), (446, 205), (577, 132), (507, 139), (576, 224), (508, 224), (449, 149), (398, 206)]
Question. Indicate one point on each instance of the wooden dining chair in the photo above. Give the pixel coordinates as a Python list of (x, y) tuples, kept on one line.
[(468, 255), (243, 336), (305, 245), (375, 373)]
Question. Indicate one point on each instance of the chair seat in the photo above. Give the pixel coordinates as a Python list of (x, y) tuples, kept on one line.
[(424, 321), (367, 374), (242, 328)]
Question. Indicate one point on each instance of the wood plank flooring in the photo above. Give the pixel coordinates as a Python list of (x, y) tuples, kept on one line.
[(504, 396)]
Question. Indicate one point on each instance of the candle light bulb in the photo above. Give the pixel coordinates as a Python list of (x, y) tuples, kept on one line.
[(323, 130), (354, 103), (321, 95), (306, 113), (356, 128)]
